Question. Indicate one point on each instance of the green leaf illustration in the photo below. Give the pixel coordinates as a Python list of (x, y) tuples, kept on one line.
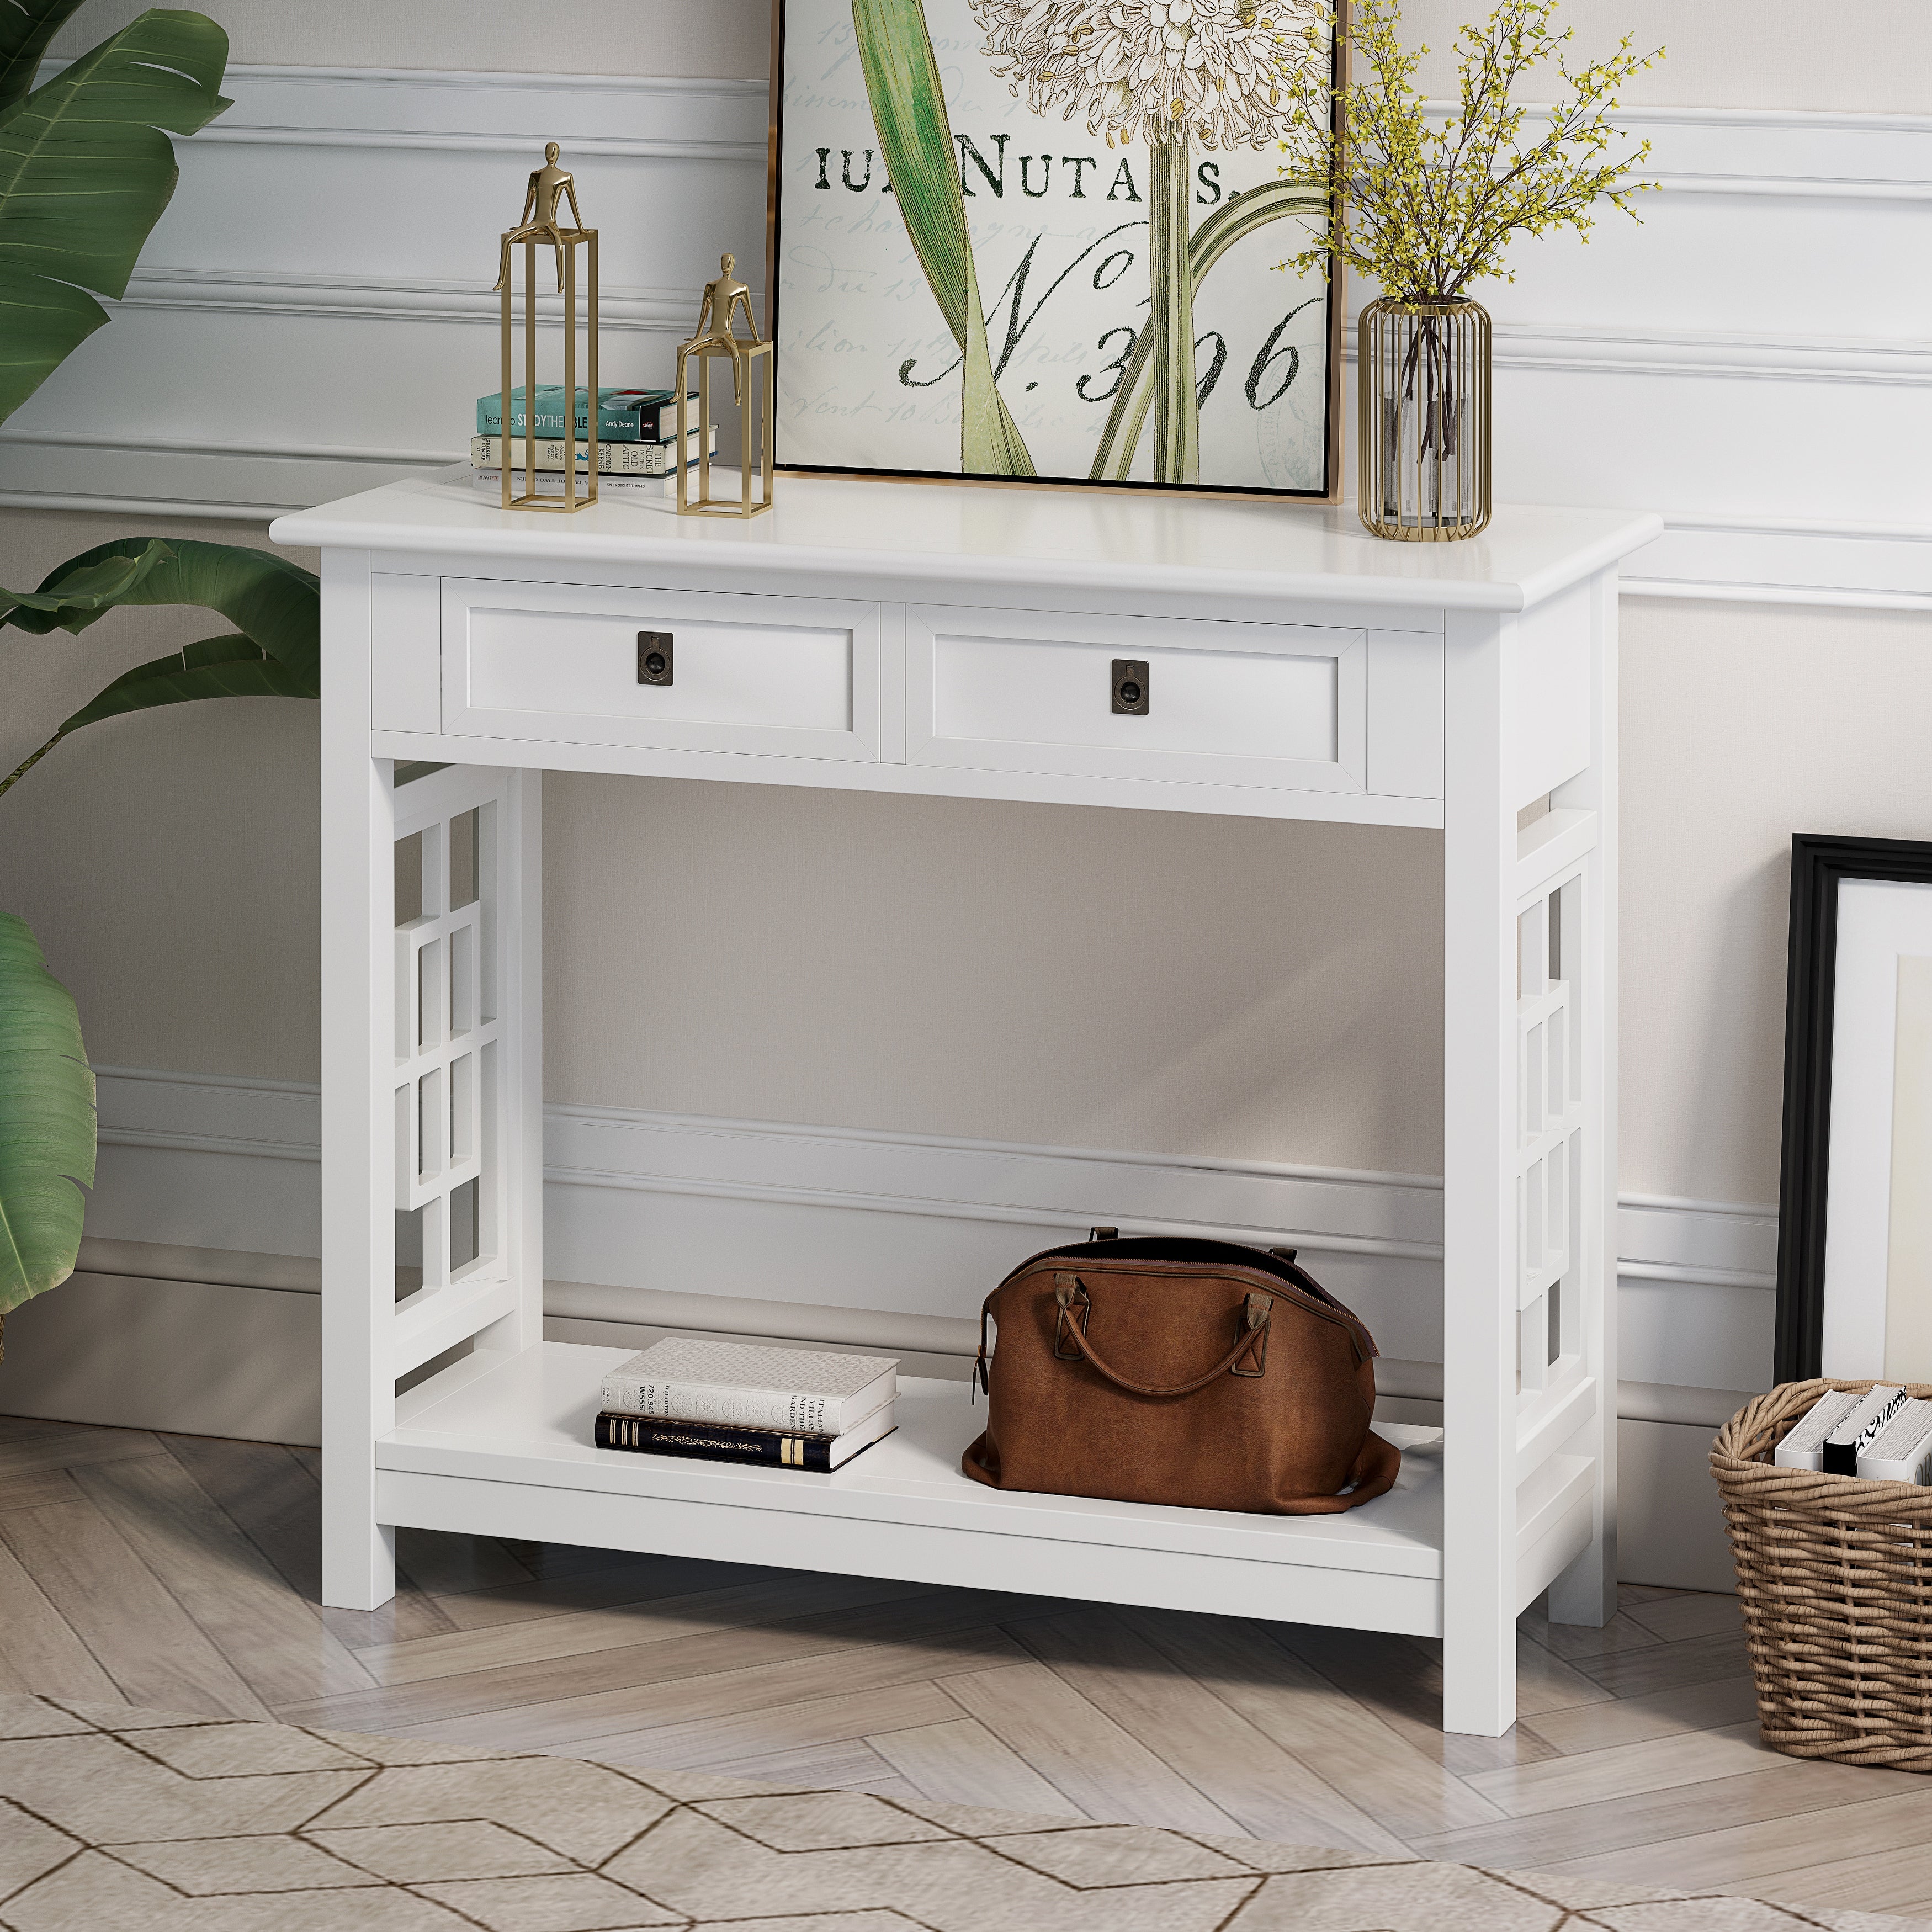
[(916, 137)]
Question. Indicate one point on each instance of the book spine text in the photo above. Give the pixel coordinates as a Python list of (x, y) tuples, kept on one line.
[(715, 1445)]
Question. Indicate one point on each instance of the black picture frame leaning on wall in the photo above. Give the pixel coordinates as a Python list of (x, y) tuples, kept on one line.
[(861, 337), (1820, 864)]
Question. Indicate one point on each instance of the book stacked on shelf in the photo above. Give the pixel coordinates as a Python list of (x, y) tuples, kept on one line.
[(733, 1402), (637, 437)]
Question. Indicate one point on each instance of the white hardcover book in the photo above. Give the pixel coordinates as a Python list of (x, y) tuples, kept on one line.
[(1901, 1450), (802, 1390), (1853, 1436), (613, 459), (549, 483), (1801, 1447)]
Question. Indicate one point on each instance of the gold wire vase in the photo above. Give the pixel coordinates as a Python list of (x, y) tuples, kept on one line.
[(1424, 373)]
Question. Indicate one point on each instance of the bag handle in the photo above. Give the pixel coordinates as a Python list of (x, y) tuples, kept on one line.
[(1253, 1338)]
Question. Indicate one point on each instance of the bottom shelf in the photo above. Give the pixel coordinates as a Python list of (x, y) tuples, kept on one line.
[(499, 1445)]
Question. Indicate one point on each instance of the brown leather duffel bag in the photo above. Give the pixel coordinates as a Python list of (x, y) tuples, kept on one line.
[(1175, 1371)]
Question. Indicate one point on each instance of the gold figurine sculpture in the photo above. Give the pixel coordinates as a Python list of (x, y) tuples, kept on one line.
[(548, 185), (748, 355), (540, 224)]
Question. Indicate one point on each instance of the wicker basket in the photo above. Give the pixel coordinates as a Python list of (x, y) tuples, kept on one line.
[(1835, 1577)]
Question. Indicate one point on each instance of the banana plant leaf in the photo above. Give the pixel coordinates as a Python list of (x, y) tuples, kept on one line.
[(46, 1121), (1120, 438), (276, 603), (915, 136), (26, 26), (86, 170), (276, 606)]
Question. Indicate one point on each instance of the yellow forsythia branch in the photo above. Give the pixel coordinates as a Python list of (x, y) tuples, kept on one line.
[(1426, 207)]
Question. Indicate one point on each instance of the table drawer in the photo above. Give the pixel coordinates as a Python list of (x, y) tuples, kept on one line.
[(789, 676), (1216, 703)]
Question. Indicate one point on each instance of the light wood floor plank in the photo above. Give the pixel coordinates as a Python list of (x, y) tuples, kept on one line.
[(40, 1653), (1407, 1789), (961, 1762), (933, 1619), (73, 1451), (638, 1579), (1106, 1772), (1575, 1642), (654, 1620), (276, 1502), (1236, 1767), (1679, 1618), (1403, 1685), (1897, 1880), (1618, 1827), (581, 1724), (147, 1643), (37, 1488), (1544, 1681), (1670, 1666), (1664, 1714), (1627, 1770), (275, 1641), (1745, 1857), (441, 1565), (718, 1740), (851, 1764)]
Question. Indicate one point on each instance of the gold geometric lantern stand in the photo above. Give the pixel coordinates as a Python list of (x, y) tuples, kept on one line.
[(754, 387), (548, 185)]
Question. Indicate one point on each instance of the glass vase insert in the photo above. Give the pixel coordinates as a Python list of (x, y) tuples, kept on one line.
[(1424, 417)]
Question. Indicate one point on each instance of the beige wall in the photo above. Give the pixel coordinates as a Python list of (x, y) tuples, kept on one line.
[(1169, 983), (1871, 55)]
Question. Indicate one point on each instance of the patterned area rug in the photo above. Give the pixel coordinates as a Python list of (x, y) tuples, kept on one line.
[(113, 1817)]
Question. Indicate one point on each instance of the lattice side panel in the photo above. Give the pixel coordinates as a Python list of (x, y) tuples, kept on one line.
[(449, 1192), (1551, 1105)]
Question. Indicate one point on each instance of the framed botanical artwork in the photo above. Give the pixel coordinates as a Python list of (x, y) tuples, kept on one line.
[(1038, 240), (1854, 1203)]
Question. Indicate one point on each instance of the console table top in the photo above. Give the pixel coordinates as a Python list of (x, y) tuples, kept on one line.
[(1069, 538)]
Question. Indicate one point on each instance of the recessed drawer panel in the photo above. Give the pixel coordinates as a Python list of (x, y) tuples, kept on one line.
[(1207, 701), (795, 677)]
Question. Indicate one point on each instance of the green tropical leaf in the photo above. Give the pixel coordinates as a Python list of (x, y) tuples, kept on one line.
[(85, 594), (277, 606), (46, 1121), (86, 170), (276, 603), (26, 26), (231, 667), (915, 136)]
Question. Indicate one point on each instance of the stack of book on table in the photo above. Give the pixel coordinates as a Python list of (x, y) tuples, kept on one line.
[(733, 1402), (637, 437)]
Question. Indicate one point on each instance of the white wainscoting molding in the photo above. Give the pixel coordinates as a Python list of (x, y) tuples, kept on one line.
[(314, 316), (843, 1235), (204, 1226)]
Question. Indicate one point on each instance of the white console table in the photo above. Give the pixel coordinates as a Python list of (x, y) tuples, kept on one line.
[(967, 643)]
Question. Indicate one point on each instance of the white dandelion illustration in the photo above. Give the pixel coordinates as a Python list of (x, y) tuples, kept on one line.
[(1171, 72)]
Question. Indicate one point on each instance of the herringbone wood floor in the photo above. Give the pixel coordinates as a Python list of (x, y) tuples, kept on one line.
[(182, 1572)]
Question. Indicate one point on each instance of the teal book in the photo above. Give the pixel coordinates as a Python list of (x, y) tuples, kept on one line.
[(623, 416)]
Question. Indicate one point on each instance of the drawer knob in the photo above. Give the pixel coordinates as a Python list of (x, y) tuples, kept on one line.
[(1130, 687), (654, 659)]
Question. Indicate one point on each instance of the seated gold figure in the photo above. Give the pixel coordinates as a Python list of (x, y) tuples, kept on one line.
[(549, 185), (722, 297)]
